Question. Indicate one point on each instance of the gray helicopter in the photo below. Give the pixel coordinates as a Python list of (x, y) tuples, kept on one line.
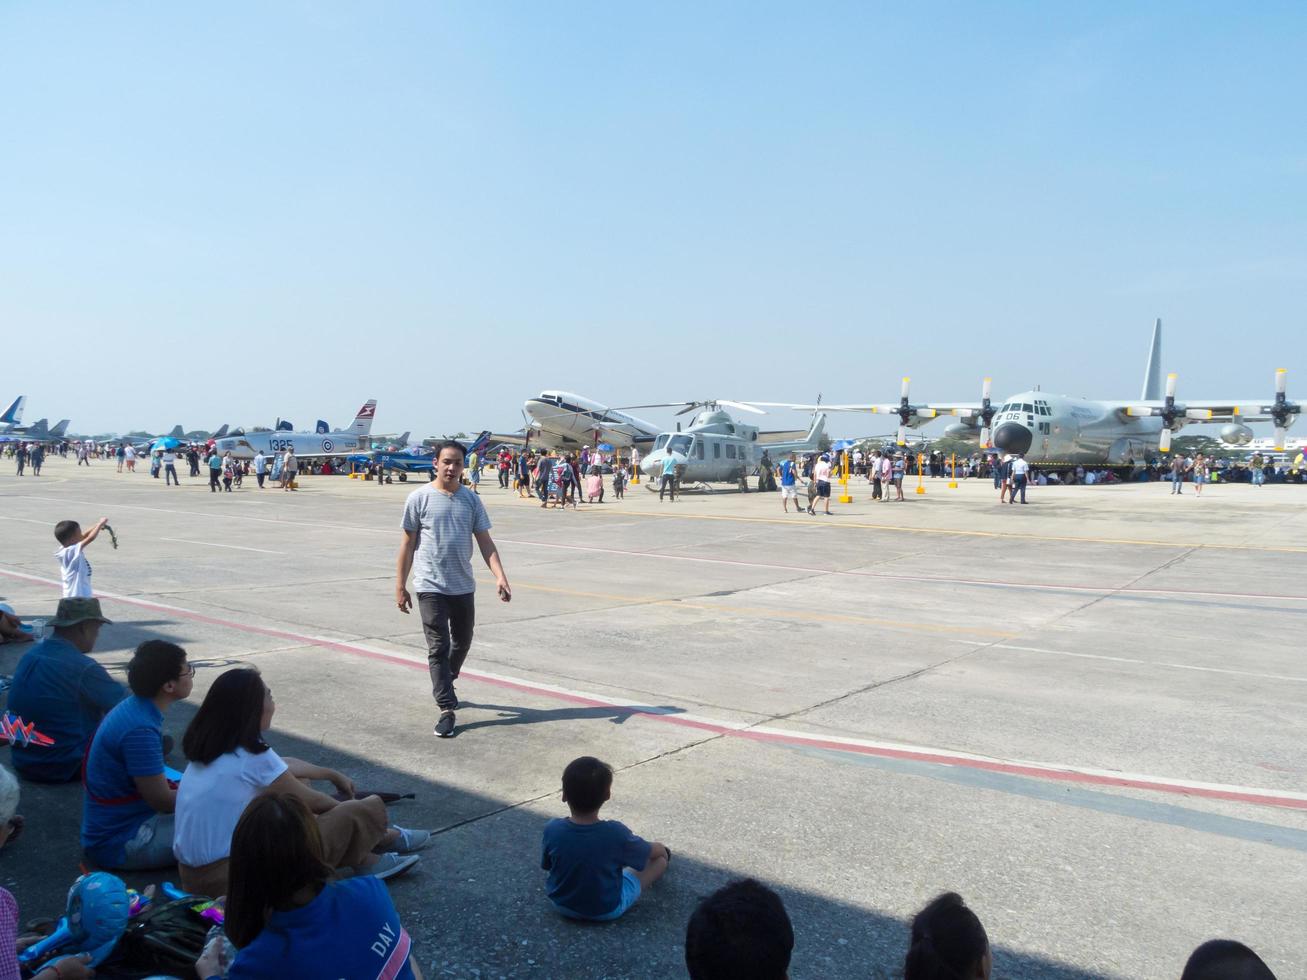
[(715, 448)]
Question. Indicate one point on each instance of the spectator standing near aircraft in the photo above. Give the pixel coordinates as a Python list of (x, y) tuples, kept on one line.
[(821, 473), (1199, 470), (260, 467), (37, 458), (1020, 478), (290, 468), (440, 522), (668, 484), (170, 468), (215, 470), (788, 475), (1178, 469)]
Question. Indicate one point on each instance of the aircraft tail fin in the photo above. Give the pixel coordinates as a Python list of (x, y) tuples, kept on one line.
[(60, 428), (818, 428), (402, 441), (323, 428), (1153, 370), (222, 431), (13, 415), (39, 429), (177, 433), (363, 420), (478, 445)]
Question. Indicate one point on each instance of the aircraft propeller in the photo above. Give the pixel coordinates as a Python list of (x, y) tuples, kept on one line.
[(1170, 413), (1281, 410), (906, 412), (985, 413)]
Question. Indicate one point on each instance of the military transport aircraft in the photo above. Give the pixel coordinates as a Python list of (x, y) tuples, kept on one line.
[(356, 437), (1064, 429)]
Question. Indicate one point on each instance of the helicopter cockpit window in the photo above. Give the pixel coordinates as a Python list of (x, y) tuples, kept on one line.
[(680, 444), (661, 441), (716, 450), (698, 448)]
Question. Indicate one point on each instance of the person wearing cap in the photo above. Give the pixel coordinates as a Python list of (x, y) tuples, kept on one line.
[(65, 692)]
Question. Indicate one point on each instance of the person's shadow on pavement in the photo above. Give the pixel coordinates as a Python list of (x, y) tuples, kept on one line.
[(518, 715)]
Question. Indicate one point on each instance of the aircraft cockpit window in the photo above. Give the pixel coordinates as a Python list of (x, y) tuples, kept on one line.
[(661, 441), (1027, 408), (680, 444)]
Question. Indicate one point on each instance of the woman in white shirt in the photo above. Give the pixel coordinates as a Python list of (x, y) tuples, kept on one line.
[(231, 764)]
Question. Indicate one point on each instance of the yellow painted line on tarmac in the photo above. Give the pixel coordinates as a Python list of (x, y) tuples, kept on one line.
[(768, 613), (962, 532)]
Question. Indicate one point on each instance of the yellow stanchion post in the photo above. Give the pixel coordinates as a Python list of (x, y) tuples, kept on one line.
[(635, 470), (953, 472), (921, 486), (844, 478)]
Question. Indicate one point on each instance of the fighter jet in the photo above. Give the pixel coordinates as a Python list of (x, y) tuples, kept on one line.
[(351, 440), (1065, 429)]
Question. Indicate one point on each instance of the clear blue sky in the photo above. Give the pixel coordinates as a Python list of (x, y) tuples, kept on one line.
[(234, 211)]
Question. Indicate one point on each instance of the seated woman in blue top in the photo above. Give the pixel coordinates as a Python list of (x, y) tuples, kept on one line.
[(286, 916)]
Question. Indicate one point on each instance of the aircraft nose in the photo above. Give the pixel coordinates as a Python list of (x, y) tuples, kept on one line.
[(1013, 438), (652, 465)]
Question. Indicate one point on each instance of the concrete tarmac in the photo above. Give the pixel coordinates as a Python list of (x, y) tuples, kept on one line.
[(1084, 714)]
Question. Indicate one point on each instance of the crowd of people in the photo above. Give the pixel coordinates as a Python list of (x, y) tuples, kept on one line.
[(302, 869)]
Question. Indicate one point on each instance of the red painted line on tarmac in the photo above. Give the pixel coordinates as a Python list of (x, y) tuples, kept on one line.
[(1233, 794)]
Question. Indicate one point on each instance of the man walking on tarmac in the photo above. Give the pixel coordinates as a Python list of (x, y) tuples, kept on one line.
[(440, 522)]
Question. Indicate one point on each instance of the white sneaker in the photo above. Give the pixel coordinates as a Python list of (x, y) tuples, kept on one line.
[(411, 840), (391, 864)]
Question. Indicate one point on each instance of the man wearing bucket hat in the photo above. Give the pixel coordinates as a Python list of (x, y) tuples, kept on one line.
[(66, 693)]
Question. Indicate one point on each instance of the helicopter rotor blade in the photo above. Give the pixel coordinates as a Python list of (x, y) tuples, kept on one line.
[(742, 406)]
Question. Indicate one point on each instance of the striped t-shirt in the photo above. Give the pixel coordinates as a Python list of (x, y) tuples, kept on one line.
[(445, 524)]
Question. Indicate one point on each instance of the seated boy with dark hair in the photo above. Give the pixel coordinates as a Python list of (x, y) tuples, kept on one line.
[(739, 931), (597, 868), (127, 812)]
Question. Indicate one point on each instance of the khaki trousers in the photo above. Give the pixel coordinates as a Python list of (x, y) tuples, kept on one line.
[(349, 830)]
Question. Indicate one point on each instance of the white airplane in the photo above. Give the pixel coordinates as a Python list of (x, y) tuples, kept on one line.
[(352, 440), (1064, 429), (560, 418)]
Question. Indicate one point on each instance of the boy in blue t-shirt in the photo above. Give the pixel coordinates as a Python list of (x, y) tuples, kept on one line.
[(597, 868)]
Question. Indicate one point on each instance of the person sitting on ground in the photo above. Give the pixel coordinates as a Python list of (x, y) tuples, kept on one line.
[(69, 967), (64, 692), (11, 627), (74, 569), (740, 930), (285, 915), (597, 868), (948, 943), (1225, 959), (231, 764), (127, 810)]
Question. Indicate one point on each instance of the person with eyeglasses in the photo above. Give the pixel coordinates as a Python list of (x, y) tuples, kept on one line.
[(128, 803)]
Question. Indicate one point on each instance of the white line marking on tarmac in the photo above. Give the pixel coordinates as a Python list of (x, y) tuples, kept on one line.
[(1104, 590), (764, 733), (214, 544), (1148, 663), (25, 520)]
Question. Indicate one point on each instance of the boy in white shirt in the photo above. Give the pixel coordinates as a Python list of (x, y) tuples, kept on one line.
[(74, 569)]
